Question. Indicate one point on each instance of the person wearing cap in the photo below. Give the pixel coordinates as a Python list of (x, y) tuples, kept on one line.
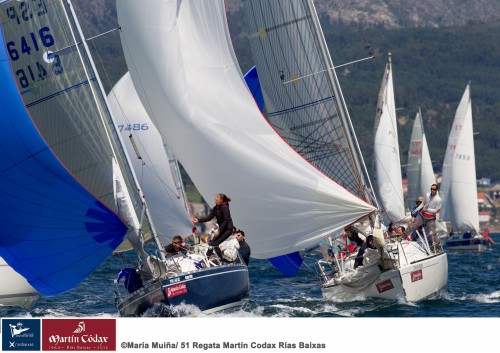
[(244, 249), (414, 214), (418, 202)]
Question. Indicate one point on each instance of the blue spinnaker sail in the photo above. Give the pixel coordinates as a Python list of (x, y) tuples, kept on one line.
[(54, 231), (288, 264)]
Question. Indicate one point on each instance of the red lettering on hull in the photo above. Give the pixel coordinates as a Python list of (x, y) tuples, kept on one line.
[(178, 289), (384, 286), (417, 276)]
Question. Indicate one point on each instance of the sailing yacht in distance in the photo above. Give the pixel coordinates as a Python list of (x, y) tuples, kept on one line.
[(459, 185), (419, 171)]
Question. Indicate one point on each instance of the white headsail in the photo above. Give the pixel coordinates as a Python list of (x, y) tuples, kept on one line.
[(183, 66), (164, 198), (386, 149)]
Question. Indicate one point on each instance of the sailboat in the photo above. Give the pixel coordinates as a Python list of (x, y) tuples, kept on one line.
[(59, 216), (70, 196), (196, 95), (15, 289), (386, 151), (192, 279), (181, 61), (458, 185), (420, 171)]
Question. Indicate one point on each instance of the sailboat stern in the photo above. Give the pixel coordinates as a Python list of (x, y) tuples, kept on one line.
[(423, 278)]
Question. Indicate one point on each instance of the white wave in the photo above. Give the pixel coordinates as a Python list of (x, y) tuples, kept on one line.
[(487, 298)]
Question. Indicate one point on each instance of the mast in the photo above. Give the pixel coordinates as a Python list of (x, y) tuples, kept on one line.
[(145, 210), (341, 105)]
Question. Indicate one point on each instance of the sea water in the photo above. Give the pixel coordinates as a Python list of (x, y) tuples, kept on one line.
[(473, 290)]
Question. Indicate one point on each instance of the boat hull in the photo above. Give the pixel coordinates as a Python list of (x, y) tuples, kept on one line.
[(465, 242), (414, 282), (15, 289), (212, 289)]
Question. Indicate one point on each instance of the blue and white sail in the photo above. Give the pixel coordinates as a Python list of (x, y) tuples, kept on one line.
[(181, 61), (60, 152)]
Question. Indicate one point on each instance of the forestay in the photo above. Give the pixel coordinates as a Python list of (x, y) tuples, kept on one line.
[(181, 61)]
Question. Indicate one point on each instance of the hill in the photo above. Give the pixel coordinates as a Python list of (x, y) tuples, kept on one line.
[(437, 47)]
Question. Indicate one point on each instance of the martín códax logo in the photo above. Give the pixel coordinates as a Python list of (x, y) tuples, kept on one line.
[(79, 335)]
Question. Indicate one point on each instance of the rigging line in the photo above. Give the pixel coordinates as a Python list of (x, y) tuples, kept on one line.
[(152, 167), (86, 39), (314, 132), (356, 156), (328, 69), (124, 115)]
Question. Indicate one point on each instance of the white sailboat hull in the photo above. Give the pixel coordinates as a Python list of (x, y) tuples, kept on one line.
[(466, 242), (416, 277), (421, 279), (15, 289)]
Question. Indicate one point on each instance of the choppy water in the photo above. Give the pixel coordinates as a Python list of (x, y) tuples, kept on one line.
[(473, 290)]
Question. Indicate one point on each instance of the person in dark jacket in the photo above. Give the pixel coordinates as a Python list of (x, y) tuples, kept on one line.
[(223, 215), (244, 249), (360, 241), (176, 246)]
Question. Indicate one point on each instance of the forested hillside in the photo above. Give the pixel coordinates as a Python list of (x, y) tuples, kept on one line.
[(432, 66)]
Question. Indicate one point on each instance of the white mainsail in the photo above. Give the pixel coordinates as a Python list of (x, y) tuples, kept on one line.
[(458, 186), (182, 64), (166, 203), (386, 149), (303, 99)]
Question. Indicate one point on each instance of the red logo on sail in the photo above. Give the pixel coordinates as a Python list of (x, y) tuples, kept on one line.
[(417, 276), (176, 290), (384, 286)]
